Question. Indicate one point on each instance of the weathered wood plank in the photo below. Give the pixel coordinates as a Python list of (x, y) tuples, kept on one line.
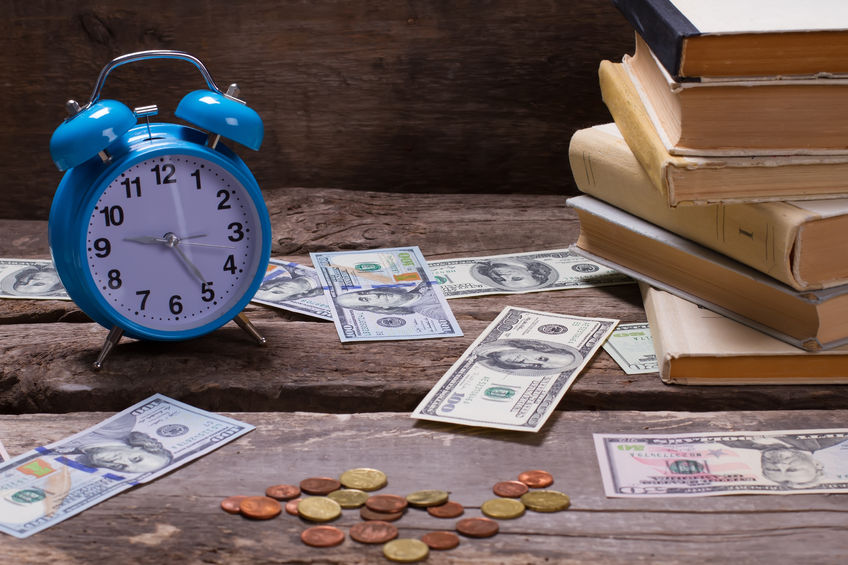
[(47, 347), (424, 96), (177, 518)]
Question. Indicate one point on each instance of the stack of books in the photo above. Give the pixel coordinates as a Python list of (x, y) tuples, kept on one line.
[(724, 181)]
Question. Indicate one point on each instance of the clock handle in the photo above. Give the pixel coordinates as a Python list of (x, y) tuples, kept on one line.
[(144, 56)]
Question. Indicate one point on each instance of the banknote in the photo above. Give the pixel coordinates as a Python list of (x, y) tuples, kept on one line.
[(293, 287), (30, 278), (513, 376), (384, 294), (520, 273), (632, 347), (51, 483), (708, 464), (4, 455)]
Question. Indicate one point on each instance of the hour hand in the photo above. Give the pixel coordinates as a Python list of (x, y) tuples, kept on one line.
[(147, 239)]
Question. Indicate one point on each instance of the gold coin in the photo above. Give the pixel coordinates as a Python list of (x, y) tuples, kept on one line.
[(319, 509), (545, 500), (425, 498), (406, 550), (502, 508), (349, 497), (363, 479)]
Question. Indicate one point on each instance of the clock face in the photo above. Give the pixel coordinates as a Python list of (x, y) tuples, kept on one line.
[(173, 242)]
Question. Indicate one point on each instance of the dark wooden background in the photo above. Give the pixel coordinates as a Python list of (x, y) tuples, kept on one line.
[(415, 96)]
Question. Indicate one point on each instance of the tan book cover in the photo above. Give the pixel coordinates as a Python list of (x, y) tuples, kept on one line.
[(812, 320), (696, 346), (799, 243), (706, 180)]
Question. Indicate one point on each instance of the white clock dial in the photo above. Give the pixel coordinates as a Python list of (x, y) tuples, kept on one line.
[(173, 242)]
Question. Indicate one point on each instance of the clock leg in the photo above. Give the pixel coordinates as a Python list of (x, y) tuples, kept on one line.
[(111, 341), (245, 324)]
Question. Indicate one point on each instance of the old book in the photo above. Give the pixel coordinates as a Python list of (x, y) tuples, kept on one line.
[(696, 346), (800, 243), (703, 180), (722, 38), (752, 117), (811, 320)]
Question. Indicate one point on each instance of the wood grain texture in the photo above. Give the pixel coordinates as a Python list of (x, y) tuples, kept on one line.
[(419, 96), (177, 518), (47, 347)]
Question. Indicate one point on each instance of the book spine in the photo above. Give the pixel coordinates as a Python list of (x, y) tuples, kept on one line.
[(761, 236), (662, 26)]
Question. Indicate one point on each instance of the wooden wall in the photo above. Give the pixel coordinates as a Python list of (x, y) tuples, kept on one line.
[(419, 96)]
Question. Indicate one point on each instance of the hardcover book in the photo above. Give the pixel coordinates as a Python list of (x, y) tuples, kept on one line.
[(800, 243), (703, 180), (696, 346), (752, 117), (812, 320), (729, 38)]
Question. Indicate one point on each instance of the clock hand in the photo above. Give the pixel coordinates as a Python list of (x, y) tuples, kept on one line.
[(173, 242), (208, 245), (147, 239)]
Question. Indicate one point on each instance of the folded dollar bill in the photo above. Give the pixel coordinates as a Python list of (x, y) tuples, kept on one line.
[(632, 347), (30, 278), (513, 376), (293, 287), (49, 484), (709, 464), (519, 273), (384, 294)]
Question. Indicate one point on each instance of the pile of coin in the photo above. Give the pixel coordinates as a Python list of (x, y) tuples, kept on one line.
[(322, 499)]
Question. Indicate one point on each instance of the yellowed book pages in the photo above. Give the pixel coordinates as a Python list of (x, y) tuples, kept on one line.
[(801, 244), (699, 347), (710, 180)]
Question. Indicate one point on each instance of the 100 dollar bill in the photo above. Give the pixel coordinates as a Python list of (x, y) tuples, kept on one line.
[(293, 287), (513, 376), (632, 347), (52, 483), (519, 273), (384, 294), (709, 464), (30, 278)]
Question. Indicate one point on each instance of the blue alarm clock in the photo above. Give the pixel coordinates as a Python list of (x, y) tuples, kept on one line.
[(158, 231)]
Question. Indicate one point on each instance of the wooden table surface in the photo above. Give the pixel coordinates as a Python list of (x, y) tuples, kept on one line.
[(322, 407)]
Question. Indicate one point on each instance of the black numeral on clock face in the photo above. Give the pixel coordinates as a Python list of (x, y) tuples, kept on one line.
[(114, 279), (102, 247), (113, 215), (144, 294), (165, 173), (224, 195)]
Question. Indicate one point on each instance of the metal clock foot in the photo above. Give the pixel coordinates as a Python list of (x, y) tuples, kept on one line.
[(111, 341), (247, 326)]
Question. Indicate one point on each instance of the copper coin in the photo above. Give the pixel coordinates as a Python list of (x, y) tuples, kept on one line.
[(441, 540), (322, 536), (260, 507), (389, 503), (536, 479), (283, 492), (477, 527), (291, 506), (319, 485), (449, 509), (367, 514), (510, 489), (374, 531), (231, 504)]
